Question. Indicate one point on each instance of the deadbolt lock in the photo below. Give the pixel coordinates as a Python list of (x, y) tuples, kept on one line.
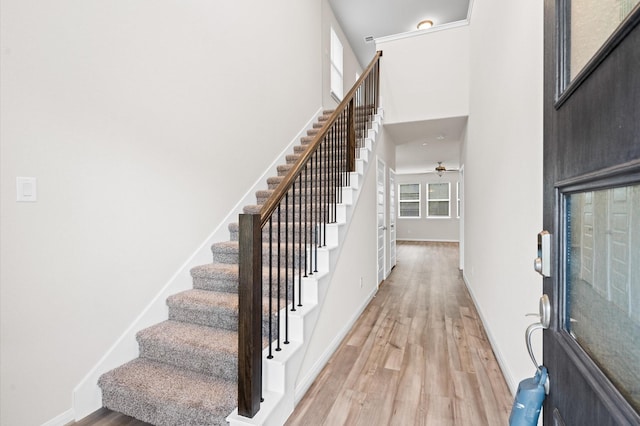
[(542, 263)]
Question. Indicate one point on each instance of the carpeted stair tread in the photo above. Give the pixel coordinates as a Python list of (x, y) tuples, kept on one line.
[(221, 277), (301, 195), (225, 252), (164, 395), (252, 209), (264, 193), (274, 181), (203, 300), (283, 170), (208, 270), (293, 158), (203, 307), (286, 229), (228, 252), (210, 308), (199, 348), (299, 208)]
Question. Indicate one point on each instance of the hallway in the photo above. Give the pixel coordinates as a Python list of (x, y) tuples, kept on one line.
[(417, 356)]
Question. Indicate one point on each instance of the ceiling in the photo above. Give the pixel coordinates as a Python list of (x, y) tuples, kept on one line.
[(420, 144), (381, 18)]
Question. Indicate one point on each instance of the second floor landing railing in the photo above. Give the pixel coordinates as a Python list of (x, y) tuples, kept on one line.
[(279, 246)]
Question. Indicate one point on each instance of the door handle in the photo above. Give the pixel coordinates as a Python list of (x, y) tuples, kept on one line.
[(544, 316)]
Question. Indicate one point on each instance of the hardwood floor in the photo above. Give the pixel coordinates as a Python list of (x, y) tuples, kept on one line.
[(417, 356), (105, 417)]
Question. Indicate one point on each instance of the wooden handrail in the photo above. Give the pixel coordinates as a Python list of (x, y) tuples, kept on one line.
[(272, 203)]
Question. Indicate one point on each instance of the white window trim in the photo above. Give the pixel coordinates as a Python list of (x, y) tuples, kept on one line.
[(457, 200), (448, 216), (419, 201)]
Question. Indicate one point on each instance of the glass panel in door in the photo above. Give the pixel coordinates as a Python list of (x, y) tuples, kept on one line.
[(602, 305), (592, 22)]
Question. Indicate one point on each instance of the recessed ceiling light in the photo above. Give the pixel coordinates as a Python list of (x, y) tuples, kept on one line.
[(440, 137), (423, 25)]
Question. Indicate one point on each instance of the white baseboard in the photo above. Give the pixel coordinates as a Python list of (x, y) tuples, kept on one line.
[(304, 384), (62, 419), (427, 240), (87, 396), (513, 385)]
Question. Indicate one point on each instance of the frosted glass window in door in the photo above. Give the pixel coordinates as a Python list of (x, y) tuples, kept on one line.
[(591, 23)]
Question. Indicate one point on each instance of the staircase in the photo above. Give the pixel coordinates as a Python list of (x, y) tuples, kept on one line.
[(187, 369)]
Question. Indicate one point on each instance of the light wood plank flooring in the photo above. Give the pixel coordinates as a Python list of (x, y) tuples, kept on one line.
[(105, 417), (417, 356)]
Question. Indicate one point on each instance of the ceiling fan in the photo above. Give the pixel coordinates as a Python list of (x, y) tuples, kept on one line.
[(440, 169)]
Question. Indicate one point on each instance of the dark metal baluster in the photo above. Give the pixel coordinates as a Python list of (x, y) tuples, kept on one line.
[(278, 348), (325, 194), (332, 183), (306, 216), (316, 227), (293, 250), (286, 268), (270, 287), (336, 177), (300, 247), (311, 212)]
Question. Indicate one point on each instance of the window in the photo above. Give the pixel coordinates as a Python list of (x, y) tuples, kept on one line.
[(409, 199), (336, 66), (438, 200)]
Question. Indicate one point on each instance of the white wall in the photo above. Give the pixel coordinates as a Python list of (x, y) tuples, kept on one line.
[(503, 204), (345, 297), (424, 228), (133, 116), (425, 76)]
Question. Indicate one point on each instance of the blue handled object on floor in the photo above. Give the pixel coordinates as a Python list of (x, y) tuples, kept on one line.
[(528, 401)]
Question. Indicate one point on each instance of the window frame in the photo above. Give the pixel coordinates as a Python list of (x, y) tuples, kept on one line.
[(429, 200), (418, 201)]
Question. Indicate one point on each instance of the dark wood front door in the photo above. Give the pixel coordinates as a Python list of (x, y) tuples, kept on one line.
[(592, 209)]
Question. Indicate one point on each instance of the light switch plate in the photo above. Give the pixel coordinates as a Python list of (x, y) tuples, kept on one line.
[(26, 189)]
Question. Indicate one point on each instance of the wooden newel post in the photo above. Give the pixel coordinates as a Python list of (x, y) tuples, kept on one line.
[(250, 316), (351, 137)]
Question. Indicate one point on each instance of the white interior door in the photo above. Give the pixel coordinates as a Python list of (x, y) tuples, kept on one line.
[(382, 235), (392, 220)]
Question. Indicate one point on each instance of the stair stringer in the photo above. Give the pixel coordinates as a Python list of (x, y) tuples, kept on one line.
[(280, 373)]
